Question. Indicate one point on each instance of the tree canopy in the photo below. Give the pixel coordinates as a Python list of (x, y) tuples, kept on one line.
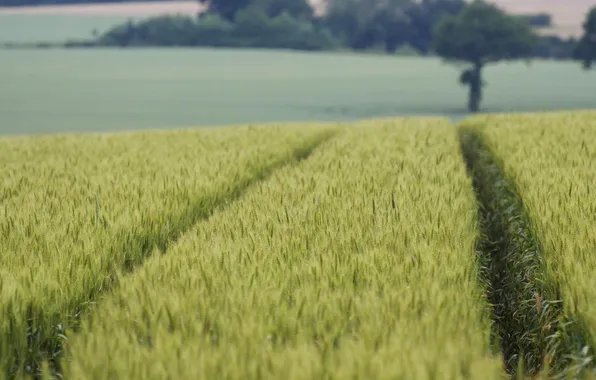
[(299, 9), (228, 9), (586, 48), (425, 15), (353, 21), (365, 23), (353, 24), (479, 35), (482, 34)]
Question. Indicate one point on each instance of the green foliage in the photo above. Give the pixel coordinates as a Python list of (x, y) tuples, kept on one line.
[(227, 9), (424, 15), (353, 22), (482, 34), (252, 28), (391, 25), (539, 20), (479, 35), (213, 30), (555, 47), (364, 23), (586, 48), (120, 35), (299, 9)]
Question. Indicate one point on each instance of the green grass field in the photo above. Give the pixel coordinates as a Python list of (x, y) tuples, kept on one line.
[(53, 28), (47, 91)]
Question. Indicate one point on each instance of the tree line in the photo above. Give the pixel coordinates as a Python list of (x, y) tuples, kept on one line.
[(352, 24), (471, 34)]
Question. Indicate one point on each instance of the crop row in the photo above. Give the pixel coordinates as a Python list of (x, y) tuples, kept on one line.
[(77, 211), (551, 160), (357, 263)]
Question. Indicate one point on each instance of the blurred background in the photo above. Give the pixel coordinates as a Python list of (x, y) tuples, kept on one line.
[(77, 66)]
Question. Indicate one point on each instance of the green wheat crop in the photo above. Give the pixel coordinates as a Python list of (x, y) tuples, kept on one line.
[(551, 158), (77, 210), (357, 263)]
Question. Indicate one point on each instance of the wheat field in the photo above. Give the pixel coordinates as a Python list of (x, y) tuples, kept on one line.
[(390, 248)]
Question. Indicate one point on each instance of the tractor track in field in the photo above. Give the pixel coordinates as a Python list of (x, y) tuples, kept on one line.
[(530, 328), (51, 350)]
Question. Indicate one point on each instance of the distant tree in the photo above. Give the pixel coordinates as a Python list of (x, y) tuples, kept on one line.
[(586, 48), (298, 9), (120, 35), (251, 28), (225, 8), (393, 22), (555, 47), (228, 9), (424, 15), (538, 20), (364, 23), (481, 34), (352, 21)]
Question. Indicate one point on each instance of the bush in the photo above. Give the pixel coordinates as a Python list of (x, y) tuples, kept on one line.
[(554, 47), (120, 35), (169, 30), (252, 28), (284, 31), (212, 30)]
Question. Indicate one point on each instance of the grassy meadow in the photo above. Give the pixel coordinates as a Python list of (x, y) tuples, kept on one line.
[(46, 91)]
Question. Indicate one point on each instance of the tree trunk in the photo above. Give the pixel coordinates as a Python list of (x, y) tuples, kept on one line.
[(475, 84)]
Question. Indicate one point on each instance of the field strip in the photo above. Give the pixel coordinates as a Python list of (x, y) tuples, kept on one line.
[(58, 257), (531, 309), (139, 9), (356, 263)]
